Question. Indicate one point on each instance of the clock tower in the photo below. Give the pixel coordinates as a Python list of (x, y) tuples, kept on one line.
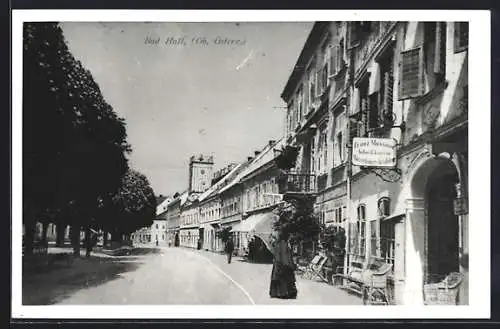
[(200, 172)]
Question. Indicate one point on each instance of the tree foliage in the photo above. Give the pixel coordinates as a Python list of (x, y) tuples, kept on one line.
[(296, 218), (134, 204), (224, 234), (333, 238), (287, 157), (74, 144)]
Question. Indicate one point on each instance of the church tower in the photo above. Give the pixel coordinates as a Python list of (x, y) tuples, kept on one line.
[(200, 172)]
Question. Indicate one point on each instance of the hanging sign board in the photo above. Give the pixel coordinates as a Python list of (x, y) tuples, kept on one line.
[(374, 152)]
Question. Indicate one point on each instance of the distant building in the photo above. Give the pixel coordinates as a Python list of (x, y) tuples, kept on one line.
[(200, 173), (156, 234), (200, 179), (210, 206)]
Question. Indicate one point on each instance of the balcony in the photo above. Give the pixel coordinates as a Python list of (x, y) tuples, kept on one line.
[(322, 182), (294, 183)]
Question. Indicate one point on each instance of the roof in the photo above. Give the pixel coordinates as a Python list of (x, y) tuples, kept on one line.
[(308, 50), (160, 199), (223, 181), (267, 155), (184, 196)]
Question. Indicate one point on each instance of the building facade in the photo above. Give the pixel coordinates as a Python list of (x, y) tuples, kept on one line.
[(154, 235), (405, 81), (260, 193), (173, 219), (211, 208)]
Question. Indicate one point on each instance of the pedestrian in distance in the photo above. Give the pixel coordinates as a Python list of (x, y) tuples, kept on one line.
[(229, 249), (283, 272)]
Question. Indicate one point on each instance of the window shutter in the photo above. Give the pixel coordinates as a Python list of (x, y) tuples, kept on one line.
[(411, 73), (461, 36), (440, 51), (333, 61), (353, 34), (318, 82), (388, 91), (339, 58), (365, 115), (353, 129)]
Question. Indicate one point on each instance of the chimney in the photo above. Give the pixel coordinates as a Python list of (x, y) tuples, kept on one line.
[(256, 153), (271, 142)]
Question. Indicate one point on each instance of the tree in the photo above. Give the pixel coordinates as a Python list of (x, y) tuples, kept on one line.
[(296, 218), (224, 234), (74, 145), (132, 207), (333, 238)]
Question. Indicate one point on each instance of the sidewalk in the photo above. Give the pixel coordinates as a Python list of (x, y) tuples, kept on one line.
[(255, 277), (50, 285)]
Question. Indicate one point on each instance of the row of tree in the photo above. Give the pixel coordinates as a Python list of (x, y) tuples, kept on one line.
[(75, 167)]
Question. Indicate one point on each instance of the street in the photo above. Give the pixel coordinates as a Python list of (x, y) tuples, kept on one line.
[(178, 276)]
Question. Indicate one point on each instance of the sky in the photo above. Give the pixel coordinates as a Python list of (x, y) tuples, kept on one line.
[(199, 95)]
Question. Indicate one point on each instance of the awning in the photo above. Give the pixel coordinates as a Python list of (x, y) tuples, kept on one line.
[(260, 225), (394, 217)]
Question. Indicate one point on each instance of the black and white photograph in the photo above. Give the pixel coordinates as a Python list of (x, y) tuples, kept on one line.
[(189, 163)]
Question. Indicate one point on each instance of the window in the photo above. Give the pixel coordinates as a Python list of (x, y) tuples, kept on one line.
[(340, 148), (312, 155), (387, 241), (438, 31), (337, 58), (364, 105), (322, 150), (411, 72), (374, 237), (384, 207), (300, 105), (312, 85), (156, 226), (461, 36), (362, 230)]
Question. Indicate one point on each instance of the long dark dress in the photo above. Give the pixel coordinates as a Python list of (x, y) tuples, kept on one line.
[(283, 276)]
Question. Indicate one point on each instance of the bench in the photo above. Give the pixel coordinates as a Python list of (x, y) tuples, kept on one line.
[(65, 257), (38, 258), (368, 278)]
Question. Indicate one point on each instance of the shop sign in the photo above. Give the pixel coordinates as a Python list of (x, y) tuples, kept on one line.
[(374, 152), (460, 206)]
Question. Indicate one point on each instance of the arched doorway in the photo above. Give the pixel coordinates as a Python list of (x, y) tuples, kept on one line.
[(433, 230), (442, 224)]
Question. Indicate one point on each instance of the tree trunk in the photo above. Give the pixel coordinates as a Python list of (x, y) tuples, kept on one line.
[(75, 239), (44, 232), (116, 236), (29, 237), (60, 231), (105, 239), (29, 218), (88, 241)]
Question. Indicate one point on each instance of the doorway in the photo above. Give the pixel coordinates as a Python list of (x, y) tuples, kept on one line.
[(442, 245)]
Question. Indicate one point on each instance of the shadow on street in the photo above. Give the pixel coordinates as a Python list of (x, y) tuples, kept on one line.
[(53, 284)]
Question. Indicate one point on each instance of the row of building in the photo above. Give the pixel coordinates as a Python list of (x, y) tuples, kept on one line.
[(401, 81)]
